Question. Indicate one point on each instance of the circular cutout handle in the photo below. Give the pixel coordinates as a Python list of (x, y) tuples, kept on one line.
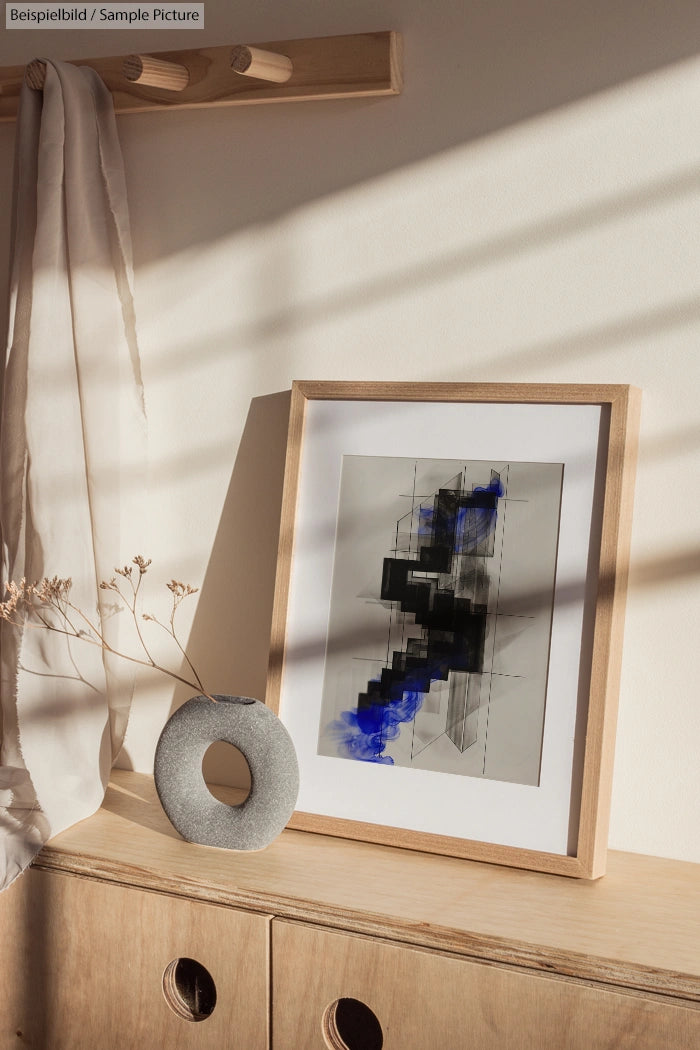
[(349, 1024), (189, 989)]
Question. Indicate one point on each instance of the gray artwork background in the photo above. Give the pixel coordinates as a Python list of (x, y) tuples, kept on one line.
[(375, 491)]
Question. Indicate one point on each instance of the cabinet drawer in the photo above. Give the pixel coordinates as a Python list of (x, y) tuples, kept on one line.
[(82, 965), (424, 1000)]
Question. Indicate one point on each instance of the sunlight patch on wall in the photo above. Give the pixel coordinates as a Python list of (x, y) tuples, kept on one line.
[(576, 225)]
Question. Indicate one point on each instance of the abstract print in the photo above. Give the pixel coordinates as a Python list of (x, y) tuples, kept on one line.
[(440, 661)]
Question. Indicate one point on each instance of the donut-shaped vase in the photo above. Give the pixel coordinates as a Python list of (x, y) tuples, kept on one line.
[(267, 748)]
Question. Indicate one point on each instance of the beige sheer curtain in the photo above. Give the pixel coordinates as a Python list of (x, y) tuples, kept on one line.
[(72, 455)]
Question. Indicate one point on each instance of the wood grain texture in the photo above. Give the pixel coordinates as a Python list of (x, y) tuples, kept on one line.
[(82, 966), (638, 927), (285, 549), (531, 393), (423, 1000), (353, 66), (265, 65), (609, 563), (154, 72), (606, 662)]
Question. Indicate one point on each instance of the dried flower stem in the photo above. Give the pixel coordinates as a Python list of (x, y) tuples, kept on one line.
[(28, 603)]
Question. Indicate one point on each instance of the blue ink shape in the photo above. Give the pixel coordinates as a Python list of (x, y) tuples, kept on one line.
[(363, 733), (454, 628)]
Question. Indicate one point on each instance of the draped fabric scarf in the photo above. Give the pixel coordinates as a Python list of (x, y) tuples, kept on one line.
[(72, 456)]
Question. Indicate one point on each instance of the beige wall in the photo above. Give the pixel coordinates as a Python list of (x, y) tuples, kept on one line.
[(527, 210)]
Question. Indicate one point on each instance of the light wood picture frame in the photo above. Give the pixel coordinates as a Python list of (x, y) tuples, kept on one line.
[(448, 616)]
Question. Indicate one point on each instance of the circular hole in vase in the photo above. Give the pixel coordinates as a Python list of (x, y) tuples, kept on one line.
[(189, 989), (349, 1024), (226, 773)]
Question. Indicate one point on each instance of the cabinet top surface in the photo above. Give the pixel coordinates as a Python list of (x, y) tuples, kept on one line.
[(639, 925)]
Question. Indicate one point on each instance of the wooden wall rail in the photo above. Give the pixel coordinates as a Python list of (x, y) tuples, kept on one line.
[(363, 64)]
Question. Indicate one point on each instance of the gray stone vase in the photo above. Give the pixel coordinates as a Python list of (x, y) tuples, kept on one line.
[(274, 773)]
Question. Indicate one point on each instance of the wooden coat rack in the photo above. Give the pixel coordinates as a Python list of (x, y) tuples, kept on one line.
[(360, 65)]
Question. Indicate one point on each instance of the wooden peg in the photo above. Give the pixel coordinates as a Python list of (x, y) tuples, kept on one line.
[(265, 65), (35, 74), (154, 72)]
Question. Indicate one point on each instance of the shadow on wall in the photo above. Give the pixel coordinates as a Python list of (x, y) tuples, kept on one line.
[(474, 71), (443, 267), (230, 634), (231, 628)]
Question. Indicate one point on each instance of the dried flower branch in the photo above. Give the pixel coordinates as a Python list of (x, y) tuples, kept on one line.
[(47, 605)]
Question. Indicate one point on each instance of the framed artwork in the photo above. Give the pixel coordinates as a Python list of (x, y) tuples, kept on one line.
[(448, 614)]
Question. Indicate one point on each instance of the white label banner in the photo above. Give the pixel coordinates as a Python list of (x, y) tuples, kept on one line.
[(104, 16)]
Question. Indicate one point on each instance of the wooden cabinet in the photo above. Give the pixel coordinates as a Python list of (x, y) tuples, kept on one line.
[(123, 935), (426, 999), (84, 964)]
